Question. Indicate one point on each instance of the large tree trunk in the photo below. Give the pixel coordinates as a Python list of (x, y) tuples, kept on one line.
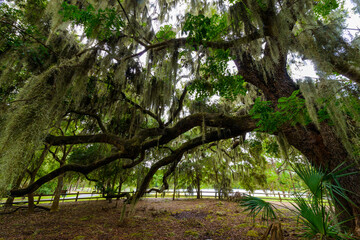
[(324, 149), (320, 146)]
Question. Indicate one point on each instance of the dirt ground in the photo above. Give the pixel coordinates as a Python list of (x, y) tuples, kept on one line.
[(150, 219)]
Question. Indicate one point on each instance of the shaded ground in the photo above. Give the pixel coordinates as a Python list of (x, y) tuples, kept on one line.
[(151, 219)]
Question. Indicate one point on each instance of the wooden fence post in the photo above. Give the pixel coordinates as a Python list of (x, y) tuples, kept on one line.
[(280, 197), (64, 195), (38, 201), (77, 196)]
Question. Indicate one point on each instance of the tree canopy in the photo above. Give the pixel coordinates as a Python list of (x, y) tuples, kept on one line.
[(136, 83)]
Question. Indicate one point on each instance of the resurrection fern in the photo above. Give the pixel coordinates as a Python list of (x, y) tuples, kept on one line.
[(329, 102), (291, 110)]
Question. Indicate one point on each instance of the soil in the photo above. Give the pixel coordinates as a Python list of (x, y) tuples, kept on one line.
[(150, 219)]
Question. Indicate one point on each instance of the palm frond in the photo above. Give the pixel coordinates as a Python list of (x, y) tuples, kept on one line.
[(311, 176), (311, 208), (254, 206)]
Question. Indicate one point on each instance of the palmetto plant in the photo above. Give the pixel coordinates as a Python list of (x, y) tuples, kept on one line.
[(255, 205), (317, 213), (314, 205)]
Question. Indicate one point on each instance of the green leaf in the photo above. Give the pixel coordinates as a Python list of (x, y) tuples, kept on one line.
[(165, 33), (200, 28), (100, 24), (254, 206)]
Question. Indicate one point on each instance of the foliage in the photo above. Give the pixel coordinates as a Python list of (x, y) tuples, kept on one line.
[(324, 7), (100, 24), (312, 210), (47, 188), (310, 206), (255, 205), (201, 28), (165, 33), (289, 110), (217, 79), (86, 154)]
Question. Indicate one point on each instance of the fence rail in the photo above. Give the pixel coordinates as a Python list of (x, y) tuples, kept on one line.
[(78, 196)]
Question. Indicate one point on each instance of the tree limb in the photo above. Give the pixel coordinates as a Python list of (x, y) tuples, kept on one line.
[(67, 168), (148, 112), (182, 42), (93, 115), (178, 153), (233, 123), (24, 33), (177, 111)]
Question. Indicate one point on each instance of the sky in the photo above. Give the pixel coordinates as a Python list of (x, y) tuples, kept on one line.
[(306, 69)]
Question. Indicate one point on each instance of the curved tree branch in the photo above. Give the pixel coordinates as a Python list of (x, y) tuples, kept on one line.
[(233, 123), (151, 114), (234, 126), (93, 115), (181, 103), (67, 168), (182, 42), (178, 153)]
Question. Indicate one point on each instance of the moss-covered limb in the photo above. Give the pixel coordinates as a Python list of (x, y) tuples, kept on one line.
[(148, 112), (182, 42), (178, 153), (84, 169), (133, 163), (68, 168), (180, 106), (344, 68), (93, 115), (165, 184), (232, 123), (80, 139), (168, 173)]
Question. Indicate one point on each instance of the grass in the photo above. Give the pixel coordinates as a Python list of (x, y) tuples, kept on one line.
[(47, 199)]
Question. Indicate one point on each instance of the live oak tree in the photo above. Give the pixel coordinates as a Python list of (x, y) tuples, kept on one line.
[(61, 59)]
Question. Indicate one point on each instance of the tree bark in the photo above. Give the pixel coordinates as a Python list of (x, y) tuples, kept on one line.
[(175, 183), (177, 155), (10, 199), (57, 195), (320, 146), (198, 185), (31, 204)]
